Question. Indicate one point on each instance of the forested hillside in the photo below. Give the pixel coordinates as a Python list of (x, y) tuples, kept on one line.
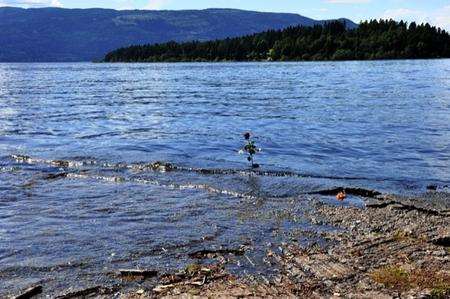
[(383, 39)]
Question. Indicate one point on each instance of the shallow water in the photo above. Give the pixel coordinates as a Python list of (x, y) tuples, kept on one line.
[(373, 125)]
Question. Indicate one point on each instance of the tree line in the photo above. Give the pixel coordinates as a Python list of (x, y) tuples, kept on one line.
[(375, 39)]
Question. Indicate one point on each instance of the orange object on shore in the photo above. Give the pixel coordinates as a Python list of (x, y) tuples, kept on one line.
[(341, 196)]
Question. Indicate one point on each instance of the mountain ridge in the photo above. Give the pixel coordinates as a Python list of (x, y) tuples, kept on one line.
[(67, 35)]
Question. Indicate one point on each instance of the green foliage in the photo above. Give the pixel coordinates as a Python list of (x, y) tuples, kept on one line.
[(250, 149), (332, 41)]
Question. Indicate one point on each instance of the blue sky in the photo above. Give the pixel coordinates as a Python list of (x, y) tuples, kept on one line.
[(436, 12)]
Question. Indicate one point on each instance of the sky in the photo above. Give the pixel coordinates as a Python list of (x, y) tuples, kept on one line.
[(436, 12)]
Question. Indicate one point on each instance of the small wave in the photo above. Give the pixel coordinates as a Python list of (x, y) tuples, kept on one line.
[(14, 270), (8, 169), (271, 173), (113, 179), (106, 134), (118, 179), (23, 159), (92, 169), (160, 166), (171, 247)]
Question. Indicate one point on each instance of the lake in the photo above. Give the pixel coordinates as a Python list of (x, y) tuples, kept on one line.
[(78, 199)]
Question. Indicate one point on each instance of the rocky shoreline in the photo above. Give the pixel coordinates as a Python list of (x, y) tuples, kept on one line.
[(394, 247)]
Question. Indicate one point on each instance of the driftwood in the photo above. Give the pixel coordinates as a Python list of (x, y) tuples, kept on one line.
[(203, 281), (86, 292), (138, 273), (201, 254), (30, 292)]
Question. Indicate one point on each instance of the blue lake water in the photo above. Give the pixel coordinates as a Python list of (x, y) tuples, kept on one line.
[(78, 201)]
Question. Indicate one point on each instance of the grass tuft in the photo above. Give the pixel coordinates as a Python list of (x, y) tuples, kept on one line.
[(392, 277), (397, 278)]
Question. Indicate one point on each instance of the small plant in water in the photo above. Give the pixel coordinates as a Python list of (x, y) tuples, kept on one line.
[(250, 149)]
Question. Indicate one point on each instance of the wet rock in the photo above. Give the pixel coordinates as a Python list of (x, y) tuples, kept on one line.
[(369, 295), (55, 176), (436, 201), (60, 163), (162, 166), (349, 191), (442, 241), (193, 276), (22, 159), (323, 266), (404, 206), (432, 187)]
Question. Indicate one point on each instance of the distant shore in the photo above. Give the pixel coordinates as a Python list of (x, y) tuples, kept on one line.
[(332, 41), (268, 61)]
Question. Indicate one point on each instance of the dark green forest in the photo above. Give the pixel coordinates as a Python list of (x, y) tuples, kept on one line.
[(375, 39)]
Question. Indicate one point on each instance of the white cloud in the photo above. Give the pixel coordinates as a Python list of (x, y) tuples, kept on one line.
[(156, 4), (440, 17), (405, 14), (31, 3)]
